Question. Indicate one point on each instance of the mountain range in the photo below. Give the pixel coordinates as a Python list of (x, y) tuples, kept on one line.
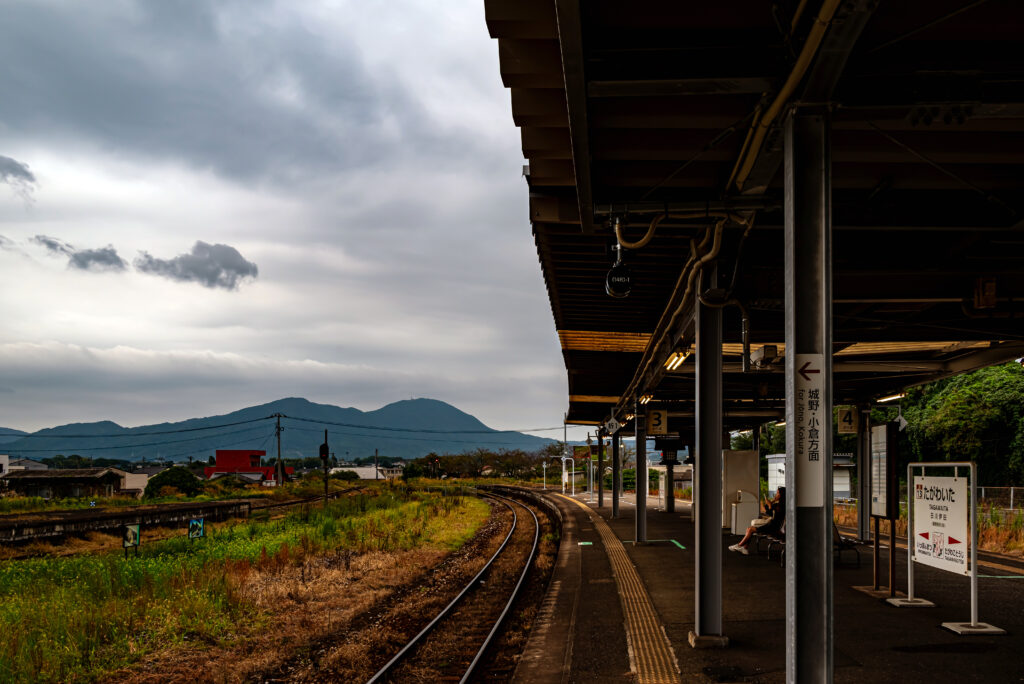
[(404, 429)]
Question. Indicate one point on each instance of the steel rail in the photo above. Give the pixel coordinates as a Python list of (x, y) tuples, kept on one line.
[(408, 648), (512, 598)]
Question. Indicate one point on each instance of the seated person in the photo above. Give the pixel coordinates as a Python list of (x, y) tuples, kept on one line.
[(777, 508)]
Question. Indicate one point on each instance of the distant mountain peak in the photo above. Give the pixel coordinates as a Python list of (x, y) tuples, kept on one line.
[(390, 430)]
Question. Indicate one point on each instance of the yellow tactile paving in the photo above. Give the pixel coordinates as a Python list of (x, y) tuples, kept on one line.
[(650, 652)]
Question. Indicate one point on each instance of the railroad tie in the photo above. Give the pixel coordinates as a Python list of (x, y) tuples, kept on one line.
[(650, 653)]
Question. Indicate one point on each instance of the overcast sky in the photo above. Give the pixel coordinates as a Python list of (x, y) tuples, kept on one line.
[(209, 205)]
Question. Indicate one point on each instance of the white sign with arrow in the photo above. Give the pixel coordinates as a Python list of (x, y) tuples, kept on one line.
[(813, 417)]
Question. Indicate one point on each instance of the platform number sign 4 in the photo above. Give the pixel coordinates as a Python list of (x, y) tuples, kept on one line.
[(847, 419), (657, 422)]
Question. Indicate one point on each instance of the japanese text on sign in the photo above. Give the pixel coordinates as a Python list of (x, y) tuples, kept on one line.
[(813, 419)]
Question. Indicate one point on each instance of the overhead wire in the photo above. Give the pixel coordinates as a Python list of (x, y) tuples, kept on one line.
[(136, 446), (411, 439), (52, 435), (428, 430)]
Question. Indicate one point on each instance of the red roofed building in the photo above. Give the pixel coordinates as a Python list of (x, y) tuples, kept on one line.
[(245, 463)]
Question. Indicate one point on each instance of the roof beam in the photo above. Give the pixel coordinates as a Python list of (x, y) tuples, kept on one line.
[(679, 86), (570, 40)]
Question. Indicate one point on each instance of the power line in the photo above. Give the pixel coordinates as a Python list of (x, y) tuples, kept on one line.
[(189, 452), (380, 428), (53, 435), (134, 446), (435, 432), (409, 439)]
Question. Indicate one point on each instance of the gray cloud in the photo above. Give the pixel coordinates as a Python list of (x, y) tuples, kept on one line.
[(18, 176), (101, 259), (53, 245), (209, 265), (262, 98)]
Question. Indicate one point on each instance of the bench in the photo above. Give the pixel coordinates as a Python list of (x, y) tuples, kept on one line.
[(841, 543), (773, 541), (778, 541)]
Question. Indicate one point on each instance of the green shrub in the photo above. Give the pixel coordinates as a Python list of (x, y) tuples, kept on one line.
[(177, 477)]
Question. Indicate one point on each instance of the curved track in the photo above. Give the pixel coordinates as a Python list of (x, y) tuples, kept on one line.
[(454, 643)]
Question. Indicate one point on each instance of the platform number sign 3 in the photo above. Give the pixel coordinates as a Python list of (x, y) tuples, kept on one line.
[(847, 419), (657, 422)]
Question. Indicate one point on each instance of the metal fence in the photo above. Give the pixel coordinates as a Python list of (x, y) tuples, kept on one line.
[(1009, 498)]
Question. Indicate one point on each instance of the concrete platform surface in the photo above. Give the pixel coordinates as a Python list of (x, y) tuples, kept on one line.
[(584, 638)]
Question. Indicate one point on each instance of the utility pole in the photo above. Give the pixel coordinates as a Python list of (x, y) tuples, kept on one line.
[(325, 453), (280, 468), (376, 472)]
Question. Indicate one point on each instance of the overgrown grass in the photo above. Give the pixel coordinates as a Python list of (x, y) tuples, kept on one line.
[(72, 619), (998, 530), (36, 504)]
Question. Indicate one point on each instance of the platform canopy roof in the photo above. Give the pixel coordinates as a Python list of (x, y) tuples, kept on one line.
[(638, 110)]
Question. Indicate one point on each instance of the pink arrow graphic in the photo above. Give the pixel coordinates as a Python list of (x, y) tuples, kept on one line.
[(924, 534), (954, 541), (804, 370)]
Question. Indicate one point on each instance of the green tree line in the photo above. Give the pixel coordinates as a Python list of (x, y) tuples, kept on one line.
[(976, 416)]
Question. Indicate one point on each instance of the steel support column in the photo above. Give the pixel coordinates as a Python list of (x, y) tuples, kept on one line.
[(670, 490), (707, 477), (808, 269), (641, 474), (615, 475), (863, 475), (600, 469)]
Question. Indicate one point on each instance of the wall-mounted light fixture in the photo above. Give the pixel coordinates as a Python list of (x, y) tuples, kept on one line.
[(646, 398), (892, 397)]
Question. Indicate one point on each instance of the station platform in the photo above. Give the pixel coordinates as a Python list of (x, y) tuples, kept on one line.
[(621, 612)]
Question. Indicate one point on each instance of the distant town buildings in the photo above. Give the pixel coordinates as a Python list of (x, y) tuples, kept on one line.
[(245, 464), (26, 464), (74, 482), (371, 473)]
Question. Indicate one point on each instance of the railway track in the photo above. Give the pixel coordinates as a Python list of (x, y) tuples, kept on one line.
[(455, 643), (57, 524)]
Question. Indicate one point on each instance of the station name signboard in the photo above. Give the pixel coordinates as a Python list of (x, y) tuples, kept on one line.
[(940, 523)]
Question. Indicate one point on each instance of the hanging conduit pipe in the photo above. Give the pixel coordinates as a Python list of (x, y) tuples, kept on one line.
[(744, 323), (642, 242), (694, 264), (760, 127), (729, 300)]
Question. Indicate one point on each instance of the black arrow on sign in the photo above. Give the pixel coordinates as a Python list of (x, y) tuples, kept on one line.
[(804, 370)]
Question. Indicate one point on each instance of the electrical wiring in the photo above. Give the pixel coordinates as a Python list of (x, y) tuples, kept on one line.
[(398, 429), (53, 435), (745, 163), (409, 439), (136, 446), (294, 418)]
